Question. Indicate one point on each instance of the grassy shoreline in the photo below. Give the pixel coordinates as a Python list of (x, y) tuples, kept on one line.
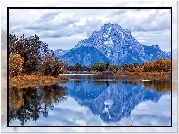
[(24, 81), (150, 75), (136, 77)]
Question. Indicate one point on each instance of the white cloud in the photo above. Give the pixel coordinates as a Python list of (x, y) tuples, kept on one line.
[(81, 23), (160, 37), (142, 40)]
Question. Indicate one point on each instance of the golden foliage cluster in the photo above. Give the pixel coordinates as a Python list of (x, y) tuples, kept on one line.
[(160, 65), (15, 64)]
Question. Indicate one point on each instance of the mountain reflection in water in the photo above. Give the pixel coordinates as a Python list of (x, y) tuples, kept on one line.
[(113, 101), (110, 99)]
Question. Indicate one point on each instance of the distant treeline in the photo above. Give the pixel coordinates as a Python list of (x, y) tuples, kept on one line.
[(160, 65), (31, 56)]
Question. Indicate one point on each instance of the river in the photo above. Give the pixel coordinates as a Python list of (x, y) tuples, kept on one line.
[(93, 100)]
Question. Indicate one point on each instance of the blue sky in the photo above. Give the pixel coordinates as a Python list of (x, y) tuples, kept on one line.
[(64, 28)]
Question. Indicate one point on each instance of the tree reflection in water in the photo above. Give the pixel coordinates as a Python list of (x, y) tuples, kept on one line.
[(160, 86), (28, 103)]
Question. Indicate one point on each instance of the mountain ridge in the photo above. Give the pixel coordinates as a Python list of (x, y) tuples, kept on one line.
[(116, 44)]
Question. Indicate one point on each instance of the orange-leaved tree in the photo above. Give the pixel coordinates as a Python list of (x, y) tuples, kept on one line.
[(15, 64)]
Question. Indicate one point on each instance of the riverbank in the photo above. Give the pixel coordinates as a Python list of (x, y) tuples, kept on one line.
[(24, 81)]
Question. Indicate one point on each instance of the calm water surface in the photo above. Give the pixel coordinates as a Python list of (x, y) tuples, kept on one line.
[(90, 100)]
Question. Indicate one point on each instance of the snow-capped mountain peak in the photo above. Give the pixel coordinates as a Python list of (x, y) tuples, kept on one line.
[(117, 45)]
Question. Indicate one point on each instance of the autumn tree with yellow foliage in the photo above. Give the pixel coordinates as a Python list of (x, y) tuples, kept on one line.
[(160, 65), (15, 64)]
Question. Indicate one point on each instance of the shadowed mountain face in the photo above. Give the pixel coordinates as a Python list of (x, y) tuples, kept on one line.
[(112, 44), (85, 55), (112, 101)]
